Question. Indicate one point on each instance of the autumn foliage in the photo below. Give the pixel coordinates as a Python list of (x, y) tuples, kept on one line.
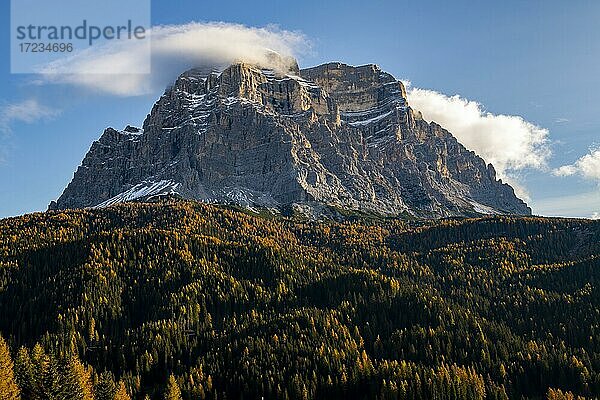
[(180, 300)]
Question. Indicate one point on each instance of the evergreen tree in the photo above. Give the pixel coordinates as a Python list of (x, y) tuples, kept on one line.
[(24, 374), (40, 366), (77, 380), (106, 388)]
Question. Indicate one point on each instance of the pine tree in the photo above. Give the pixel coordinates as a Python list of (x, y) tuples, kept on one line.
[(8, 386), (24, 374), (77, 381), (105, 388), (39, 365), (172, 392), (52, 382)]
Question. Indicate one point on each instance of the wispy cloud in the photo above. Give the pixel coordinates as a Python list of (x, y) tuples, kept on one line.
[(509, 142), (27, 111), (561, 120), (174, 49), (587, 166)]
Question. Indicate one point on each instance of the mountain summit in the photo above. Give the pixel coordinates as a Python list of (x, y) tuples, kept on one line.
[(318, 140)]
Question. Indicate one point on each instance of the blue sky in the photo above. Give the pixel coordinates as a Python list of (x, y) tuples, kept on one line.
[(535, 59)]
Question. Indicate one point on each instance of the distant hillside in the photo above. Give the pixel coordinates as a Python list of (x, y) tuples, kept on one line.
[(191, 301)]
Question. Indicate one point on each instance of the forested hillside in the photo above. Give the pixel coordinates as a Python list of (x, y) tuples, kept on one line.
[(186, 300)]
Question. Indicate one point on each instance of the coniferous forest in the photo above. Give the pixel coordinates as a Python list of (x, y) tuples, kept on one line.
[(181, 300)]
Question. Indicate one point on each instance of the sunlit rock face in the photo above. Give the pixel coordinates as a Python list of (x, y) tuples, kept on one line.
[(332, 137)]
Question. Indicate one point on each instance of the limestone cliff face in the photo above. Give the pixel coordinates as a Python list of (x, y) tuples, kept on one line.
[(320, 139)]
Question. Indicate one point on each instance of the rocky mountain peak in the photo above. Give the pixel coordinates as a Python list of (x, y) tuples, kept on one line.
[(318, 140)]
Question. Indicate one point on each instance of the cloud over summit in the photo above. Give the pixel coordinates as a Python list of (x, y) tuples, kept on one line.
[(174, 49)]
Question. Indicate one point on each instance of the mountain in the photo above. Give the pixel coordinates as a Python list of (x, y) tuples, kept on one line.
[(314, 141), (235, 305)]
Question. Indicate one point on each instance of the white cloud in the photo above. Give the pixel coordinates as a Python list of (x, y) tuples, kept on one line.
[(508, 142), (595, 215), (587, 166), (27, 111), (174, 49)]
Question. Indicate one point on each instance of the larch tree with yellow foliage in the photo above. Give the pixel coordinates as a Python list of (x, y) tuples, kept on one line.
[(8, 386)]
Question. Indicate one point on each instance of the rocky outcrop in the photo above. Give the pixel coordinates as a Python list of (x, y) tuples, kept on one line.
[(332, 137)]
